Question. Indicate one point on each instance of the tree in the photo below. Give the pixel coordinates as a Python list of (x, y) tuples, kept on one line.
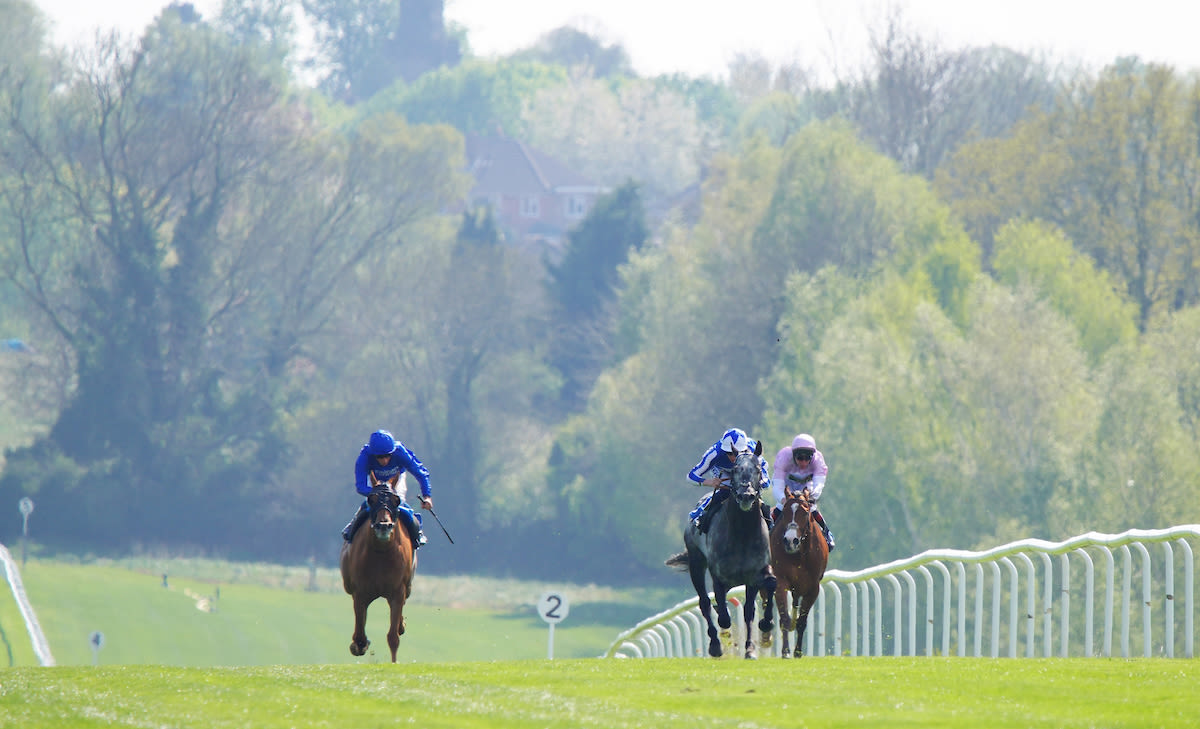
[(475, 97), (574, 48), (917, 102), (633, 131), (370, 44), (1035, 255), (583, 287), (1114, 166), (190, 232)]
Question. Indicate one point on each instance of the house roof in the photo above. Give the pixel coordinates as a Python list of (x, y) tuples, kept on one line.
[(508, 166)]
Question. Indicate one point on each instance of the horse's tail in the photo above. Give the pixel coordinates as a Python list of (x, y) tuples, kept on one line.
[(678, 561)]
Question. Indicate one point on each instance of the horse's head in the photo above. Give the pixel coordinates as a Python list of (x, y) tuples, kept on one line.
[(797, 508), (382, 503), (745, 479)]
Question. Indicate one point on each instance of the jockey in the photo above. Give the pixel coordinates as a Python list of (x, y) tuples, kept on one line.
[(801, 464), (385, 457), (717, 460)]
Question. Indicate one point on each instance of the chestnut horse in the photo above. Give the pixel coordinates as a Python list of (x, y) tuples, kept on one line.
[(799, 555), (734, 552), (379, 562)]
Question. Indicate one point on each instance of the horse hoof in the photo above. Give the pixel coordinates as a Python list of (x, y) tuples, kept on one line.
[(751, 655), (357, 649), (714, 650)]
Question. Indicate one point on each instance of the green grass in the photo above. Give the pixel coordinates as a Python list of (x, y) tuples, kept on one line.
[(15, 648), (223, 614), (688, 693)]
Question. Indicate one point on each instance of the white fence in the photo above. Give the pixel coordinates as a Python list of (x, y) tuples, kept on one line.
[(41, 648), (969, 606)]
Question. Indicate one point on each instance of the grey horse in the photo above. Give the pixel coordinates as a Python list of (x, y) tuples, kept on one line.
[(735, 551)]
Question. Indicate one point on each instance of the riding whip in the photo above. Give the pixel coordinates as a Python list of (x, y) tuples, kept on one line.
[(439, 521)]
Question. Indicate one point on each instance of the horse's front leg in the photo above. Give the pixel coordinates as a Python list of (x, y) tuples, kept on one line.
[(396, 629), (767, 585), (785, 619), (359, 642), (721, 603), (802, 619), (751, 653)]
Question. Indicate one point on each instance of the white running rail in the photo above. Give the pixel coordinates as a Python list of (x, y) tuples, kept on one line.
[(40, 647), (857, 628)]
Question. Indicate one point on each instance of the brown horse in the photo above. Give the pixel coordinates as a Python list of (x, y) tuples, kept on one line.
[(379, 562), (798, 555)]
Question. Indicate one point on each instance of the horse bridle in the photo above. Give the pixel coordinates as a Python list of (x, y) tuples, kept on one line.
[(793, 524), (382, 501)]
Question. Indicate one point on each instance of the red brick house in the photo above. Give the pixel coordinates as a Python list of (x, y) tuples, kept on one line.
[(533, 197)]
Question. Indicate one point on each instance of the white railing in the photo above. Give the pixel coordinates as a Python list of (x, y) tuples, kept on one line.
[(956, 625), (41, 648)]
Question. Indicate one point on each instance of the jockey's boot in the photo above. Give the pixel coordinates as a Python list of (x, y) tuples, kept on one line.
[(766, 512), (359, 517), (710, 510), (418, 537), (824, 529)]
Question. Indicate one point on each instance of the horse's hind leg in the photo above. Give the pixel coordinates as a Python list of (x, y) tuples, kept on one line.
[(359, 642), (396, 629), (697, 568)]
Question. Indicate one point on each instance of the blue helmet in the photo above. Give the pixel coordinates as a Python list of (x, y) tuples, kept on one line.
[(735, 441), (381, 443)]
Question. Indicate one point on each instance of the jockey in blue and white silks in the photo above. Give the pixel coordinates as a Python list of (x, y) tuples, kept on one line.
[(386, 457), (718, 460)]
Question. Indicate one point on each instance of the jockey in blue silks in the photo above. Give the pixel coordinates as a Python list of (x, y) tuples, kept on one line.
[(718, 460), (385, 457)]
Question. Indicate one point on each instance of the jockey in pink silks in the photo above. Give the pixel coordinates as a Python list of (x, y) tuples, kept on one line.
[(801, 466)]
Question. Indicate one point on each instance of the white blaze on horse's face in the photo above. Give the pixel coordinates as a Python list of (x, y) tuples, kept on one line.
[(791, 535)]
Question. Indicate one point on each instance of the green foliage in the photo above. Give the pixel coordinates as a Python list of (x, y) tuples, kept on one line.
[(369, 44), (209, 232), (575, 49), (1143, 460), (475, 97), (828, 202), (955, 419), (1111, 166), (583, 286), (613, 132), (1032, 254), (954, 693), (777, 115), (716, 107)]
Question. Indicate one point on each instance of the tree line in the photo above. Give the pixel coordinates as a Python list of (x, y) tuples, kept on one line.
[(971, 274)]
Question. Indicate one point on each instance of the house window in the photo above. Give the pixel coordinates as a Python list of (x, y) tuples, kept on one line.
[(575, 206), (531, 206)]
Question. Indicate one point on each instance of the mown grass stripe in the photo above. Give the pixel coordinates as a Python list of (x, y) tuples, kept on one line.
[(685, 693)]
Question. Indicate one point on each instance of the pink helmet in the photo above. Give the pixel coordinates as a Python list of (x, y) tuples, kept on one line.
[(804, 440)]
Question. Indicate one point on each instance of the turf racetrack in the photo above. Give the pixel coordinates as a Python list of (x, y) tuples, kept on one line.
[(654, 693)]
